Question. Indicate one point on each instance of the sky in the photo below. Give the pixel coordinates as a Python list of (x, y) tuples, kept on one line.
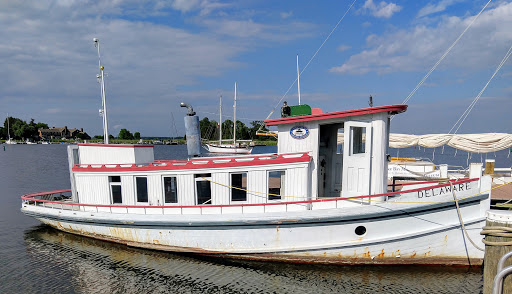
[(157, 54)]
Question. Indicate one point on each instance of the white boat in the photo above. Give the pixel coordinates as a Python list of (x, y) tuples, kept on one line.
[(9, 141), (306, 203), (235, 148)]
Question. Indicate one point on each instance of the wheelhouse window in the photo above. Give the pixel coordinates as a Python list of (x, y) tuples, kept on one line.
[(203, 189), (141, 184), (170, 190), (358, 134), (276, 184), (239, 187), (115, 189)]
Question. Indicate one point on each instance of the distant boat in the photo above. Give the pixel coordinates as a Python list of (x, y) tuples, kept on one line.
[(157, 142), (235, 148), (45, 142), (28, 142), (9, 140)]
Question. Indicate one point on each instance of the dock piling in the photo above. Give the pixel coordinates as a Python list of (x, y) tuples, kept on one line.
[(498, 242)]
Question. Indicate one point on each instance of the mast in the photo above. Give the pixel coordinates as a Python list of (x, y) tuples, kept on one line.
[(101, 80), (8, 131), (298, 77), (234, 123), (220, 120)]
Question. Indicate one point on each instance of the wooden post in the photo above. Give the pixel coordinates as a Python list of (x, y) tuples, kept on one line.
[(493, 253), (489, 167)]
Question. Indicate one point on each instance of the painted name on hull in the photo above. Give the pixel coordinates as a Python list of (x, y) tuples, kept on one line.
[(444, 190)]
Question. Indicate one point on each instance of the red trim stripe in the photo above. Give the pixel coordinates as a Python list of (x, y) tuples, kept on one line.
[(30, 197), (117, 145), (346, 113), (196, 163)]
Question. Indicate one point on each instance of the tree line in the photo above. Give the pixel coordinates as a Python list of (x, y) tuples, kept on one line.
[(20, 129)]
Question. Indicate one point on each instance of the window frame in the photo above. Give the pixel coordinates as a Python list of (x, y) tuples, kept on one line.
[(111, 184), (282, 185), (196, 196), (137, 189), (177, 190), (232, 185)]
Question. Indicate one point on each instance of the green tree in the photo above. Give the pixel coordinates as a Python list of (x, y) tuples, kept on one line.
[(83, 136), (255, 126), (124, 134), (136, 136)]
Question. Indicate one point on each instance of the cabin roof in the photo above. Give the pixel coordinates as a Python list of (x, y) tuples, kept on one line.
[(116, 145), (198, 163), (393, 109)]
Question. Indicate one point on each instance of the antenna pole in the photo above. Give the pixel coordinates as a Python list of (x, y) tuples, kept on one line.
[(101, 78), (298, 77), (220, 120), (234, 123)]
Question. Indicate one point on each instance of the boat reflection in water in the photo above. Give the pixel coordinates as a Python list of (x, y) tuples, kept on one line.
[(86, 265)]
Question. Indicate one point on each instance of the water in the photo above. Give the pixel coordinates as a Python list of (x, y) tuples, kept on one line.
[(35, 258)]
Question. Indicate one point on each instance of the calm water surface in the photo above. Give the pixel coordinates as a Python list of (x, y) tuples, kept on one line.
[(35, 258)]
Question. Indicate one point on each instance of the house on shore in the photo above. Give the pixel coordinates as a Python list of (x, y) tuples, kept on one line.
[(62, 133)]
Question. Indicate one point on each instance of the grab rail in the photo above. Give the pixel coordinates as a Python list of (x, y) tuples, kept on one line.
[(28, 198), (497, 284)]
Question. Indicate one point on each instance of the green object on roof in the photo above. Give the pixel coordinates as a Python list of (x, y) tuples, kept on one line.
[(296, 110)]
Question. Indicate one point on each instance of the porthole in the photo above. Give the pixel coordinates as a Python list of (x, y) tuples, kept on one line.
[(360, 230)]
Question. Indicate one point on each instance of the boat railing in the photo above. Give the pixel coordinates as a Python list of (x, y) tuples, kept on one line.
[(501, 273), (48, 200)]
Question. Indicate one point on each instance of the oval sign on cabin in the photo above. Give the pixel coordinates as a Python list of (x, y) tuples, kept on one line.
[(299, 132)]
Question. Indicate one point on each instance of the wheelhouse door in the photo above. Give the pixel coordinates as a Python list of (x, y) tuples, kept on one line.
[(356, 159)]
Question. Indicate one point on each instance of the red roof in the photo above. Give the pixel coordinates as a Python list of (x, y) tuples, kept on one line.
[(116, 145), (394, 109)]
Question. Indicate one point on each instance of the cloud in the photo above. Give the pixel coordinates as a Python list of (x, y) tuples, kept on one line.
[(381, 10), (285, 15), (204, 7), (342, 48), (421, 46), (53, 110), (50, 63), (251, 30), (435, 8)]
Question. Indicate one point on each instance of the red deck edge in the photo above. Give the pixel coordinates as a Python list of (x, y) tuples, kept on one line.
[(116, 145), (30, 197), (346, 113), (189, 164)]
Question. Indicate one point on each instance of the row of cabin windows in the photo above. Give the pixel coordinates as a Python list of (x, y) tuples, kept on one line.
[(202, 188)]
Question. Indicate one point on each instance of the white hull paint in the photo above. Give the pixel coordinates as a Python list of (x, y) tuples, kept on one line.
[(396, 233), (228, 149)]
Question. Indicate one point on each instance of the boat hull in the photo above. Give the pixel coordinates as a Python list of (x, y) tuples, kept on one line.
[(430, 234), (228, 149)]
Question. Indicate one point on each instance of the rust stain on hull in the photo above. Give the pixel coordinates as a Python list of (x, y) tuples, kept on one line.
[(306, 258)]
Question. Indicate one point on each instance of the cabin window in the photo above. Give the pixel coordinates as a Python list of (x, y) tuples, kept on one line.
[(239, 187), (275, 184), (358, 134), (142, 189), (115, 189), (170, 190), (203, 189), (339, 145)]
